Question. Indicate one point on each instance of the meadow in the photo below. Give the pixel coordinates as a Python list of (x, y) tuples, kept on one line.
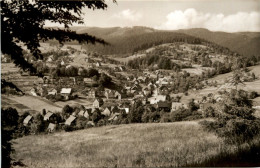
[(34, 103), (133, 145)]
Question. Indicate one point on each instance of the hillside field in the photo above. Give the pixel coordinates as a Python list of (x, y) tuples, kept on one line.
[(133, 145)]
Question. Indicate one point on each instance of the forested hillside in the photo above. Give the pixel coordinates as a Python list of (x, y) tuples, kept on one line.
[(130, 40), (244, 43)]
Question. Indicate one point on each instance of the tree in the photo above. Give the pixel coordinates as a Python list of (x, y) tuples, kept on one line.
[(237, 78), (104, 79), (9, 119), (67, 111), (38, 125), (24, 21), (135, 115)]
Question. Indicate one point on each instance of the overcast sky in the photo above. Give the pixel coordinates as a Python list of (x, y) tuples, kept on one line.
[(215, 15)]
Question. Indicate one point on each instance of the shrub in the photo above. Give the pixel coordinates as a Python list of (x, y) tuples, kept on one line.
[(81, 123), (209, 112), (236, 123), (253, 95), (180, 115), (68, 128), (166, 117)]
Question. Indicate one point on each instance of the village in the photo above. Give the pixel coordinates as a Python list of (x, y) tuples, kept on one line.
[(104, 90)]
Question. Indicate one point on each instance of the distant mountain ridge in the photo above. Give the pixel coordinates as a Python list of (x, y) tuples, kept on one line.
[(244, 43)]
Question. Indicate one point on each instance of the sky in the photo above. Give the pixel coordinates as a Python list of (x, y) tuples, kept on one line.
[(215, 15)]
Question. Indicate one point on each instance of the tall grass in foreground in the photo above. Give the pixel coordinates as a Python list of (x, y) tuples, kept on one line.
[(134, 145), (247, 155)]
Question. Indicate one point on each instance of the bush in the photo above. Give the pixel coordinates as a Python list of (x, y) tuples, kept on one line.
[(209, 112), (81, 123), (253, 95), (68, 128), (166, 117), (180, 115), (236, 123)]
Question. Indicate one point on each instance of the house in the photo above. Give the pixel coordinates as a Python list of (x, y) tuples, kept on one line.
[(70, 120), (81, 113), (50, 59), (164, 105), (114, 117), (92, 93), (41, 91), (47, 116), (135, 87), (98, 103), (106, 112), (116, 69), (109, 94), (142, 79), (27, 120), (66, 92), (98, 64), (87, 59), (115, 109), (122, 68), (86, 114), (51, 127), (62, 63), (155, 99), (33, 91), (118, 95), (147, 91), (91, 123), (52, 92), (163, 90), (88, 80)]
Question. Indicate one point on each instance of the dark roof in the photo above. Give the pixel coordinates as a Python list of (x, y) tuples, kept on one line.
[(164, 104)]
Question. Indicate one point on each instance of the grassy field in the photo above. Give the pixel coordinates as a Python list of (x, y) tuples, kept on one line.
[(35, 103), (249, 86), (7, 68), (133, 145)]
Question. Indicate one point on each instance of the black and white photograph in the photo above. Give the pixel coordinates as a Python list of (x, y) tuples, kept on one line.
[(130, 83)]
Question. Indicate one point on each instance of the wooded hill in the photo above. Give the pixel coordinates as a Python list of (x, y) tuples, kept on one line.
[(130, 40)]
